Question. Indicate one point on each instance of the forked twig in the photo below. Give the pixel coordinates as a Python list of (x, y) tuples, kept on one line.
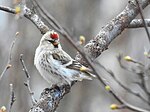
[(27, 83), (141, 74), (126, 88), (10, 56)]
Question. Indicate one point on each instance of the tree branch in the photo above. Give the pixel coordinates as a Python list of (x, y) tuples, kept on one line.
[(110, 31), (50, 98), (27, 83), (10, 56), (142, 16), (128, 89), (138, 23), (7, 9), (12, 97), (142, 75), (29, 14)]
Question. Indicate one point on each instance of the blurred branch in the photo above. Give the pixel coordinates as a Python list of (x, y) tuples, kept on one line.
[(10, 56), (12, 97), (141, 74), (125, 104), (29, 14), (27, 83), (138, 64), (142, 16), (126, 88), (119, 57), (144, 86)]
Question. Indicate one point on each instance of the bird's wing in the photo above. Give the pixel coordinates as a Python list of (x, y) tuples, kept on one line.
[(79, 67), (61, 56), (74, 65), (66, 60), (69, 63)]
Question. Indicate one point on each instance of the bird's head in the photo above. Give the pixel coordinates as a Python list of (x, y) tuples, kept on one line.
[(51, 39)]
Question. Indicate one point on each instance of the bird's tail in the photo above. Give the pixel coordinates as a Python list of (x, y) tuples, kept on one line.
[(88, 72)]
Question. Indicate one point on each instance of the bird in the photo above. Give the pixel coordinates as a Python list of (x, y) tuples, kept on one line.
[(55, 65)]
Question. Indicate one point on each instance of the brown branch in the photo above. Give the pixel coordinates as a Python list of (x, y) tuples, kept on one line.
[(127, 68), (12, 97), (27, 83), (29, 14), (7, 9), (142, 16), (128, 89), (10, 56), (144, 86), (140, 73)]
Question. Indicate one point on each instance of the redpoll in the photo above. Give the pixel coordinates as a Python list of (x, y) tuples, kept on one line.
[(55, 65)]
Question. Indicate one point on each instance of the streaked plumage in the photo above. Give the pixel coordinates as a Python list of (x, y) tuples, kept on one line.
[(54, 64)]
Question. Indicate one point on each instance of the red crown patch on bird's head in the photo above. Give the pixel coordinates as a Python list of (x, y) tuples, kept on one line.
[(54, 35)]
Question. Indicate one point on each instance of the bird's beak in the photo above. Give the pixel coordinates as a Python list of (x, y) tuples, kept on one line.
[(55, 43)]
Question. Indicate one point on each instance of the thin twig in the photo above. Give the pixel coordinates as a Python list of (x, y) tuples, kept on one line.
[(138, 23), (38, 11), (12, 97), (27, 83), (10, 56), (141, 74), (144, 86), (48, 17), (126, 88), (119, 58), (7, 9), (142, 16)]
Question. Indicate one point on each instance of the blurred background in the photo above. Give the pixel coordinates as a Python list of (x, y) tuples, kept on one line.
[(79, 17)]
